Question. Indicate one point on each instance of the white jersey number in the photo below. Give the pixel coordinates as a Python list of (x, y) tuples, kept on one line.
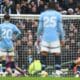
[(49, 21), (6, 33)]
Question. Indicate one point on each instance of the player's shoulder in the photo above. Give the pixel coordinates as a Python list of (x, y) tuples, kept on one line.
[(12, 24), (42, 13), (51, 11), (1, 25), (57, 13)]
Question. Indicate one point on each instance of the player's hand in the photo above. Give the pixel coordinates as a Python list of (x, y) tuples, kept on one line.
[(62, 43)]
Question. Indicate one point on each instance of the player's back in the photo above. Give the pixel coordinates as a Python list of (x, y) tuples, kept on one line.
[(6, 33), (50, 20)]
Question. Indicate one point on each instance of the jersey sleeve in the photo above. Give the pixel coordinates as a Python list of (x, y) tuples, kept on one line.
[(0, 32), (17, 32), (60, 28), (40, 27)]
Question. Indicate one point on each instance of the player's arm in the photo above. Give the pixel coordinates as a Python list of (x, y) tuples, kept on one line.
[(61, 31), (17, 32), (0, 34), (40, 28)]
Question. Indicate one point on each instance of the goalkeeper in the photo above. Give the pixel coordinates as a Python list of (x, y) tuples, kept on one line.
[(35, 67)]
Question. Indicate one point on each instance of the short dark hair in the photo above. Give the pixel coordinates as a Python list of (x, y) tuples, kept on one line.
[(6, 17), (52, 5)]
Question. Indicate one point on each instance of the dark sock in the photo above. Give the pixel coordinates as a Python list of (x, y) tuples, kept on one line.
[(43, 61), (3, 65), (13, 66), (8, 64), (57, 62), (0, 62)]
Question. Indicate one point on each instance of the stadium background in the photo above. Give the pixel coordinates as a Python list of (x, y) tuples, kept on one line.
[(28, 27)]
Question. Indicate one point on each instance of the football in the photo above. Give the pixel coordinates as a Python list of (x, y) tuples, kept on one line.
[(44, 74)]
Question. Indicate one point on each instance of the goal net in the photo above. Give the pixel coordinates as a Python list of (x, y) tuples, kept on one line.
[(25, 48)]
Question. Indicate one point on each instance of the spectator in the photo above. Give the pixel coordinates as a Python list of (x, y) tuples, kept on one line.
[(71, 4), (7, 6), (64, 12), (70, 11), (30, 47), (29, 35), (41, 6), (1, 6), (24, 7), (30, 8), (62, 4), (17, 10), (35, 6), (78, 9), (58, 8), (32, 3), (34, 29), (34, 10), (45, 6)]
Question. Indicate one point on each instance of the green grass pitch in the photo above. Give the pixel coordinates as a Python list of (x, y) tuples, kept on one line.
[(38, 78)]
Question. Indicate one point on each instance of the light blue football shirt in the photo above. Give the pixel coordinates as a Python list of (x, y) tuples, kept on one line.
[(50, 26), (6, 35)]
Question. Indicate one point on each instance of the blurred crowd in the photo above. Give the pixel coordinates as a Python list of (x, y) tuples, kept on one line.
[(26, 46), (37, 6)]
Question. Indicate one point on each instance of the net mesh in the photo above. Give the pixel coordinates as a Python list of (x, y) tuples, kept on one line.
[(25, 47)]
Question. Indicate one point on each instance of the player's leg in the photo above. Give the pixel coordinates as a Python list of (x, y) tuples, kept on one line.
[(75, 63), (9, 70), (3, 58), (43, 53), (12, 62), (20, 70), (56, 51), (1, 66), (57, 61), (43, 56)]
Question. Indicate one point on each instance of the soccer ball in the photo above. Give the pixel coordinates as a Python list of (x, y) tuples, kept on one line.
[(77, 75), (44, 74)]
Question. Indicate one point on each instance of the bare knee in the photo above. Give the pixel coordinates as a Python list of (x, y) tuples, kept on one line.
[(3, 57), (11, 58)]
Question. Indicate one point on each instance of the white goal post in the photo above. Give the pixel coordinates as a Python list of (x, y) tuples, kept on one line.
[(31, 16)]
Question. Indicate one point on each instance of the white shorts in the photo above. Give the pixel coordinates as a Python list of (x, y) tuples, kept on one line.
[(6, 53), (53, 47)]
